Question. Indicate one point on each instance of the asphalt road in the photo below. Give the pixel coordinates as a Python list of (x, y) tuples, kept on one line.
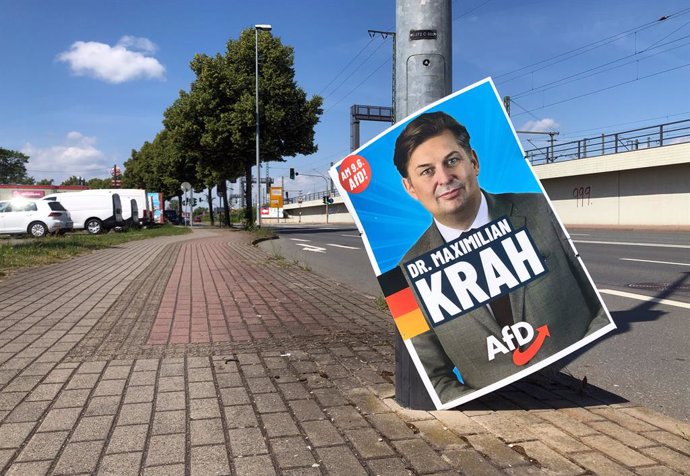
[(646, 360)]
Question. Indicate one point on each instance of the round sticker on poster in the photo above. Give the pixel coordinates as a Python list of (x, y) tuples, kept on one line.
[(355, 174)]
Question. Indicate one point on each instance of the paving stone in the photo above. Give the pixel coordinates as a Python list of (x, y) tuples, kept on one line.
[(680, 428), (43, 446), (143, 378), (170, 401), (109, 387), (366, 402), (621, 434), (269, 403), (166, 470), (116, 372), (322, 433), (9, 400), (91, 367), (103, 406), (279, 424), (166, 449), (291, 452), (253, 465), (204, 408), (5, 457), (599, 464), (93, 428), (294, 391), (134, 413), (209, 460), (79, 458), (391, 426), (139, 394), (509, 426), (45, 391), (677, 443), (548, 459), (330, 397), (24, 469), (347, 417), (389, 467), (623, 419), (497, 451), (556, 438), (438, 435), (616, 450), (168, 422), (200, 375), (130, 438), (240, 416), (229, 380), (60, 419), (121, 464), (677, 461), (470, 462), (72, 398), (143, 365), (234, 396), (171, 384), (422, 457), (207, 432), (246, 442), (656, 471), (202, 390), (27, 412), (339, 460), (87, 381), (306, 410), (566, 423), (368, 443)]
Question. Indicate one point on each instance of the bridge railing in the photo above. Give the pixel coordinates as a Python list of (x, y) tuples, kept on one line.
[(643, 138), (312, 196)]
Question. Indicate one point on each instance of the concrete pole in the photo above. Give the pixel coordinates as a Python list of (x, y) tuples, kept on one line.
[(423, 75)]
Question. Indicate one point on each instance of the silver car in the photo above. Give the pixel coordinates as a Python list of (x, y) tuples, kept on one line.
[(35, 217)]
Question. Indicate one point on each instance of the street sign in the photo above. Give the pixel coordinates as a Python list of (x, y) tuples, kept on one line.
[(276, 197)]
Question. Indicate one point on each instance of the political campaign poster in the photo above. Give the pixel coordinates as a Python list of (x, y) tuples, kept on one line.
[(481, 278)]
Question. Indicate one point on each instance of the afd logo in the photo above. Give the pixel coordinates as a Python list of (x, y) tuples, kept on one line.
[(521, 334)]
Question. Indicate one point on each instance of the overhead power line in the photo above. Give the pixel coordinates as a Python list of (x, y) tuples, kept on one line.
[(345, 67)]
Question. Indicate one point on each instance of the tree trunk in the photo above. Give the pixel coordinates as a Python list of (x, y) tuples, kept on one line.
[(226, 207), (210, 204), (248, 217)]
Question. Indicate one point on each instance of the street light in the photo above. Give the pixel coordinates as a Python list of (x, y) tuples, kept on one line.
[(256, 74)]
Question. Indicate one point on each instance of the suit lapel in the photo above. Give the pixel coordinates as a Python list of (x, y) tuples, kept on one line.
[(499, 207)]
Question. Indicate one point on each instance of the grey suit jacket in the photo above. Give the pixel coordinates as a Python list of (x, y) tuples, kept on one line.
[(563, 299)]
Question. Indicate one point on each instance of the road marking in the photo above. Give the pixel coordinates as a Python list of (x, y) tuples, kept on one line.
[(298, 239), (579, 234), (343, 246), (652, 261), (315, 249), (658, 245), (641, 297), (352, 236)]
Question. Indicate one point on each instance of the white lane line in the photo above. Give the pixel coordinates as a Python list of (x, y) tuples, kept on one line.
[(352, 236), (343, 246), (652, 261), (315, 249), (641, 297), (658, 245), (579, 234), (298, 239)]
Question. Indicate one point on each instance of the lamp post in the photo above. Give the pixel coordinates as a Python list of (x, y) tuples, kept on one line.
[(256, 74)]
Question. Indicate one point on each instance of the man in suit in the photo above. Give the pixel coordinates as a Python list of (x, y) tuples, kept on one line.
[(440, 169)]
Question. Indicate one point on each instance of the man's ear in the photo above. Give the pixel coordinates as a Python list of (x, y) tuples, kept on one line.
[(409, 188), (475, 162)]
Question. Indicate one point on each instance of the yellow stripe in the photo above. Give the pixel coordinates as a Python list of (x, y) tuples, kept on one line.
[(411, 324)]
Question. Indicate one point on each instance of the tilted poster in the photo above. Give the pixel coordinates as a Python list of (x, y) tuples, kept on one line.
[(480, 276)]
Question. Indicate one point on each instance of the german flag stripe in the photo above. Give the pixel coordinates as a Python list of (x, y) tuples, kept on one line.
[(401, 302), (392, 281), (411, 324)]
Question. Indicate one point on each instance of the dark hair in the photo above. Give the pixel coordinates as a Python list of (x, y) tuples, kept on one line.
[(422, 129)]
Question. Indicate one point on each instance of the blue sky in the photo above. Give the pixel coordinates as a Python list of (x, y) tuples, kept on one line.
[(85, 82)]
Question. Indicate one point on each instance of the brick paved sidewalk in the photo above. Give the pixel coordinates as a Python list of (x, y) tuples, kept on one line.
[(205, 355)]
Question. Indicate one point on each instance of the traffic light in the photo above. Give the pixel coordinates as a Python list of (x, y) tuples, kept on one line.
[(292, 173), (327, 200)]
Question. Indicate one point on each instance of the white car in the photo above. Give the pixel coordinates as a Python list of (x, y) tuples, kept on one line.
[(35, 217)]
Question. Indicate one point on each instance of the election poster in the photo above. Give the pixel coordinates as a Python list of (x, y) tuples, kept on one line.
[(481, 278)]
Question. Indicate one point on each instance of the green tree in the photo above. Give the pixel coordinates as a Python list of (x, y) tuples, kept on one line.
[(45, 181), (13, 167), (214, 124), (99, 183)]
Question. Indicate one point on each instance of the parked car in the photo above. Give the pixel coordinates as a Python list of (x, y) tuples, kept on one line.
[(172, 217), (34, 217), (94, 212)]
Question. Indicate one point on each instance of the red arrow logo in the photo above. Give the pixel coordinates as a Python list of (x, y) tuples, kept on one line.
[(522, 357)]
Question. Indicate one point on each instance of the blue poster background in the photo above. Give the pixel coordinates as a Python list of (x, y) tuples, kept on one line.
[(390, 218)]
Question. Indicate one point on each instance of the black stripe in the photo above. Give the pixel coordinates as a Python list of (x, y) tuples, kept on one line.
[(392, 281)]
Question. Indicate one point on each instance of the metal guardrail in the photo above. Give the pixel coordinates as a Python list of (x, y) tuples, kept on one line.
[(312, 196), (643, 138)]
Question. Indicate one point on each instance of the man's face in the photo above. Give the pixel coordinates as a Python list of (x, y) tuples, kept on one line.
[(443, 177)]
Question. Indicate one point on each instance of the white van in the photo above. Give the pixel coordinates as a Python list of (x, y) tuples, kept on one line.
[(94, 212), (141, 210)]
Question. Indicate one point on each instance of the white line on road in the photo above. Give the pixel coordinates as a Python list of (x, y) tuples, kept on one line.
[(315, 249), (641, 297), (343, 246), (579, 234), (652, 261), (298, 239), (351, 236), (659, 245)]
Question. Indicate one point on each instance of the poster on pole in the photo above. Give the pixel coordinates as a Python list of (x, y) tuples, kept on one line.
[(481, 278)]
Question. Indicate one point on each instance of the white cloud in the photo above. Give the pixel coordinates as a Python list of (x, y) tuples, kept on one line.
[(128, 60), (77, 156), (542, 125)]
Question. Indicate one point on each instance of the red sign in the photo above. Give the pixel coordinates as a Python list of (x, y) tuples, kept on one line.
[(29, 193), (355, 174), (265, 211)]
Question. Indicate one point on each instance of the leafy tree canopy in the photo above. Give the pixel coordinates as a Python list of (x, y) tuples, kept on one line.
[(13, 167)]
